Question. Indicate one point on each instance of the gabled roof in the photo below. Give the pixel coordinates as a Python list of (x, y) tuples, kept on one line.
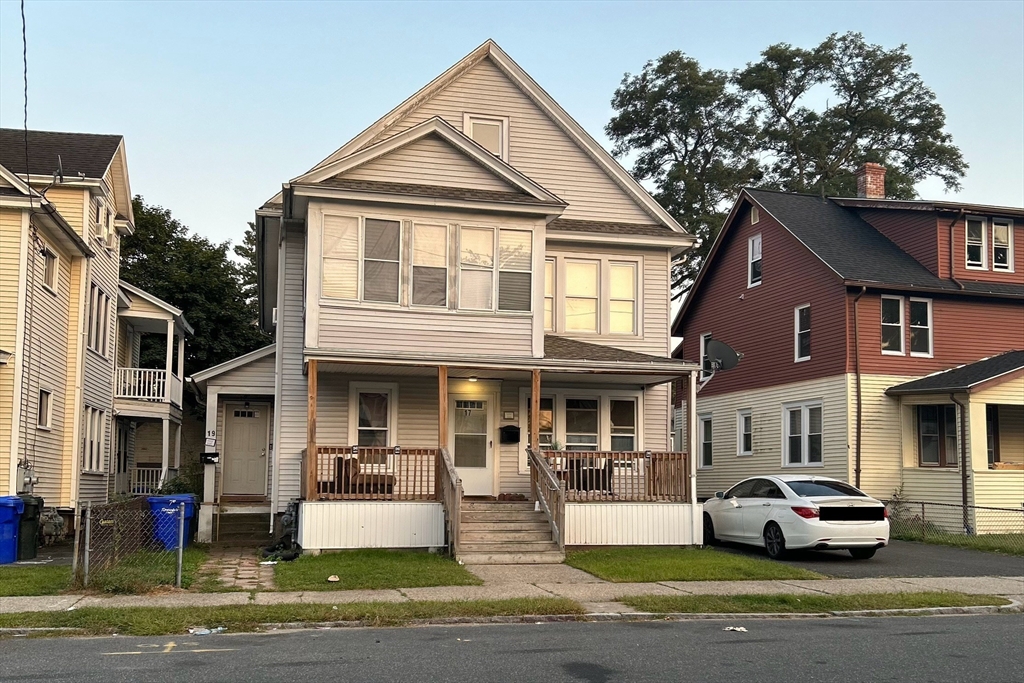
[(522, 80), (227, 366), (17, 193), (131, 290), (964, 378), (80, 153), (928, 205)]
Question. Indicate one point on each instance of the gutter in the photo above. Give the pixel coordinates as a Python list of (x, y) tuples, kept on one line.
[(856, 370)]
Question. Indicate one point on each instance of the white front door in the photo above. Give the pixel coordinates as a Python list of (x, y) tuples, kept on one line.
[(245, 448), (471, 426)]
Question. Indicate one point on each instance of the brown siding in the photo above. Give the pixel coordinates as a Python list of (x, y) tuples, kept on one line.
[(915, 232), (758, 321), (960, 270), (965, 329)]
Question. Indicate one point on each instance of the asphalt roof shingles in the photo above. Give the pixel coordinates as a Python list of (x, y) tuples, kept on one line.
[(441, 192), (80, 153), (562, 348), (963, 377)]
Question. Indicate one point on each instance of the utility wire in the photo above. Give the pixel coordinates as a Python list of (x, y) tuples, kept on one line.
[(24, 63)]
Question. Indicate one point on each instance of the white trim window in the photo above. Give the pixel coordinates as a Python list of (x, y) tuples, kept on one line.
[(490, 132), (754, 261), (706, 369), (582, 295), (340, 263), (372, 414), (98, 338), (755, 215), (622, 298), (920, 323), (476, 268), (892, 325), (1002, 244), (975, 233), (44, 409), (50, 269), (744, 432), (515, 270), (549, 295), (92, 447), (707, 456), (802, 434), (622, 419), (429, 265), (382, 256), (582, 424), (802, 333)]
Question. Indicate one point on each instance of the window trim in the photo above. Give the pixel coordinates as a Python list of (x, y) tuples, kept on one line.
[(943, 463), (412, 267), (361, 289), (902, 326), (636, 295), (1009, 245), (750, 260), (740, 415), (702, 419), (48, 423), (755, 215), (805, 423), (93, 441), (984, 243), (930, 328), (467, 120), (493, 270), (705, 337), (498, 270), (992, 433), (48, 254), (599, 319), (97, 338), (356, 388), (554, 293), (797, 358), (604, 263)]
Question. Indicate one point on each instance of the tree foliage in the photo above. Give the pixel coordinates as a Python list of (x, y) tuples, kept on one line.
[(196, 275), (800, 120)]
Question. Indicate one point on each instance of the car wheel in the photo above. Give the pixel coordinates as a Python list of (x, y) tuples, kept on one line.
[(774, 541), (862, 553), (709, 531)]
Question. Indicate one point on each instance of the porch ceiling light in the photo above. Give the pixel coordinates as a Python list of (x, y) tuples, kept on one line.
[(472, 378)]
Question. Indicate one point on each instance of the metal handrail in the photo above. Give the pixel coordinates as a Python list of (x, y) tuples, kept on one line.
[(451, 495), (550, 493)]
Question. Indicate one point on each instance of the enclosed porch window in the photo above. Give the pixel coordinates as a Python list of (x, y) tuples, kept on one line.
[(937, 436)]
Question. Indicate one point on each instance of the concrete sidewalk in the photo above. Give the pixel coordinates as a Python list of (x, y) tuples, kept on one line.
[(503, 582)]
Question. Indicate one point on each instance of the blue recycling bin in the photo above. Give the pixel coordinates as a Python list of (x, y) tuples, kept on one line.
[(11, 508), (165, 518)]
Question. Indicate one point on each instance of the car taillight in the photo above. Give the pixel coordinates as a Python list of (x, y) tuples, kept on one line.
[(885, 513), (806, 513)]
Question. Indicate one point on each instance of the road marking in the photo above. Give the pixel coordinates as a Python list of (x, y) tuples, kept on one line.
[(169, 646), (169, 652)]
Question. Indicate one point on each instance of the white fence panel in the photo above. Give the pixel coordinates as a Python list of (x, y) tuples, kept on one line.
[(633, 524), (334, 525)]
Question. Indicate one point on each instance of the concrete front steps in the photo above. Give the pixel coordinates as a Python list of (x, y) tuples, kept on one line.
[(242, 525), (501, 532)]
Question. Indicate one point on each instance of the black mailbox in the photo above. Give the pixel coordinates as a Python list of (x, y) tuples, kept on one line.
[(509, 434), (209, 458)]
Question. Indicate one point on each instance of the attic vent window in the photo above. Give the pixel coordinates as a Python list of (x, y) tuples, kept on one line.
[(490, 132), (754, 215)]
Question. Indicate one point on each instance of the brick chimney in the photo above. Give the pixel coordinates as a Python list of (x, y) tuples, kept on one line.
[(871, 181)]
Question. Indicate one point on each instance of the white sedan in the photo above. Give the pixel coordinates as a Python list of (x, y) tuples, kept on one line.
[(794, 511)]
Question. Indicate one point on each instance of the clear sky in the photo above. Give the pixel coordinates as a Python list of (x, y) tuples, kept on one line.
[(221, 102)]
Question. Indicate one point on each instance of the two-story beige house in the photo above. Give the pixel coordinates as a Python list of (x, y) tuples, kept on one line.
[(471, 308)]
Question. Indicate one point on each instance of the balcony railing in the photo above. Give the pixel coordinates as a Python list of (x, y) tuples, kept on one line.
[(145, 481), (630, 476), (147, 384)]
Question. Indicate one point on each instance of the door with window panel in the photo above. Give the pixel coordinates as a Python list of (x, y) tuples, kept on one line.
[(471, 426)]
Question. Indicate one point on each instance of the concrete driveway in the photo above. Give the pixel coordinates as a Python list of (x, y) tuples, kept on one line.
[(900, 558)]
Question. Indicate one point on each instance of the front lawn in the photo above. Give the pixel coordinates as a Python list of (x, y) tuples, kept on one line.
[(34, 580), (656, 563), (371, 569), (145, 570), (1007, 544), (750, 604), (152, 621)]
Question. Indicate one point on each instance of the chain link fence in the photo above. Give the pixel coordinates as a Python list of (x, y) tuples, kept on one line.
[(130, 546), (969, 526)]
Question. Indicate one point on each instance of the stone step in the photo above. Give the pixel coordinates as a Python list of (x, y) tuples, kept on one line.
[(549, 557), (469, 534), (538, 546)]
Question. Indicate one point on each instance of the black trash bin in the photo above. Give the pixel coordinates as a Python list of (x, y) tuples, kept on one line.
[(28, 527)]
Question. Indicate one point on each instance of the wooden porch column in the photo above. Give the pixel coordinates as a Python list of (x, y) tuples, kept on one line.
[(181, 357), (177, 447), (165, 450), (311, 455), (535, 411), (442, 406), (170, 361)]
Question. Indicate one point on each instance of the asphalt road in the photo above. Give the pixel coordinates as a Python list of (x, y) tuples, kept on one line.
[(934, 649), (899, 558)]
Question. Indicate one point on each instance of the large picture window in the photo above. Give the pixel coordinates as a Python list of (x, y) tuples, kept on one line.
[(802, 444), (937, 436)]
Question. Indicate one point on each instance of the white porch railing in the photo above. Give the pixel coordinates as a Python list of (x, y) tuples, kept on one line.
[(145, 481), (147, 384)]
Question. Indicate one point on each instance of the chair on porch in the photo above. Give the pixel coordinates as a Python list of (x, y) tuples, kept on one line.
[(353, 480), (583, 474)]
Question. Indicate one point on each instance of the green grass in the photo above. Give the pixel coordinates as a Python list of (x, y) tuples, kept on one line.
[(146, 570), (371, 569), (151, 621), (748, 604), (653, 563), (1007, 544), (34, 580)]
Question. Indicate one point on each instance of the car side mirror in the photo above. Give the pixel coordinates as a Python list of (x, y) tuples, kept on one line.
[(720, 495)]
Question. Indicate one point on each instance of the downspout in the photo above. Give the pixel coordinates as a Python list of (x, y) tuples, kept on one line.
[(951, 259), (856, 370), (963, 460)]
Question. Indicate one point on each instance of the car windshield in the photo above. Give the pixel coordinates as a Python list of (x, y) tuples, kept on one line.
[(809, 489)]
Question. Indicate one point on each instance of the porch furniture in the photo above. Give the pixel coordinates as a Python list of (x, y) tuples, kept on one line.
[(369, 473), (355, 480)]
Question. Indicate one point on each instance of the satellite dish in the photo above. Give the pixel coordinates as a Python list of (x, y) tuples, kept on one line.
[(721, 355)]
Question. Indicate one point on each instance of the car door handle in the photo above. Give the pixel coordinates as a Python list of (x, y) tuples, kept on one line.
[(766, 505)]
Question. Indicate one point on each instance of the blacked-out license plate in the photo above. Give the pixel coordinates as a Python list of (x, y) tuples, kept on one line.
[(852, 514)]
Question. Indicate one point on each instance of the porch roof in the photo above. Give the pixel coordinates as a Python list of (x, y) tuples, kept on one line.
[(964, 378)]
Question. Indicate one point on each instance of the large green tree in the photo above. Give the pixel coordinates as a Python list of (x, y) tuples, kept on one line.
[(197, 276), (799, 120)]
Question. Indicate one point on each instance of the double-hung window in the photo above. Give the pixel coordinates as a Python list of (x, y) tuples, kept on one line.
[(622, 298), (976, 242), (581, 424), (549, 295), (623, 424), (99, 321), (1002, 244), (382, 248), (921, 327), (744, 432), (515, 270), (582, 288), (802, 434), (429, 265), (706, 367), (340, 265), (706, 442), (92, 450), (892, 325), (476, 276), (937, 436), (802, 333), (50, 270), (754, 261)]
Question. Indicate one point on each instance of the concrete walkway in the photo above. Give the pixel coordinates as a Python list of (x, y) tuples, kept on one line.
[(503, 582)]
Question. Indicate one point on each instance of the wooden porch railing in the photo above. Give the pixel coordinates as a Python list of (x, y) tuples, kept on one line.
[(450, 492), (361, 473), (629, 476), (550, 493)]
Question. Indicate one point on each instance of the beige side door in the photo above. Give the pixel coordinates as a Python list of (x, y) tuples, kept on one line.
[(245, 448)]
